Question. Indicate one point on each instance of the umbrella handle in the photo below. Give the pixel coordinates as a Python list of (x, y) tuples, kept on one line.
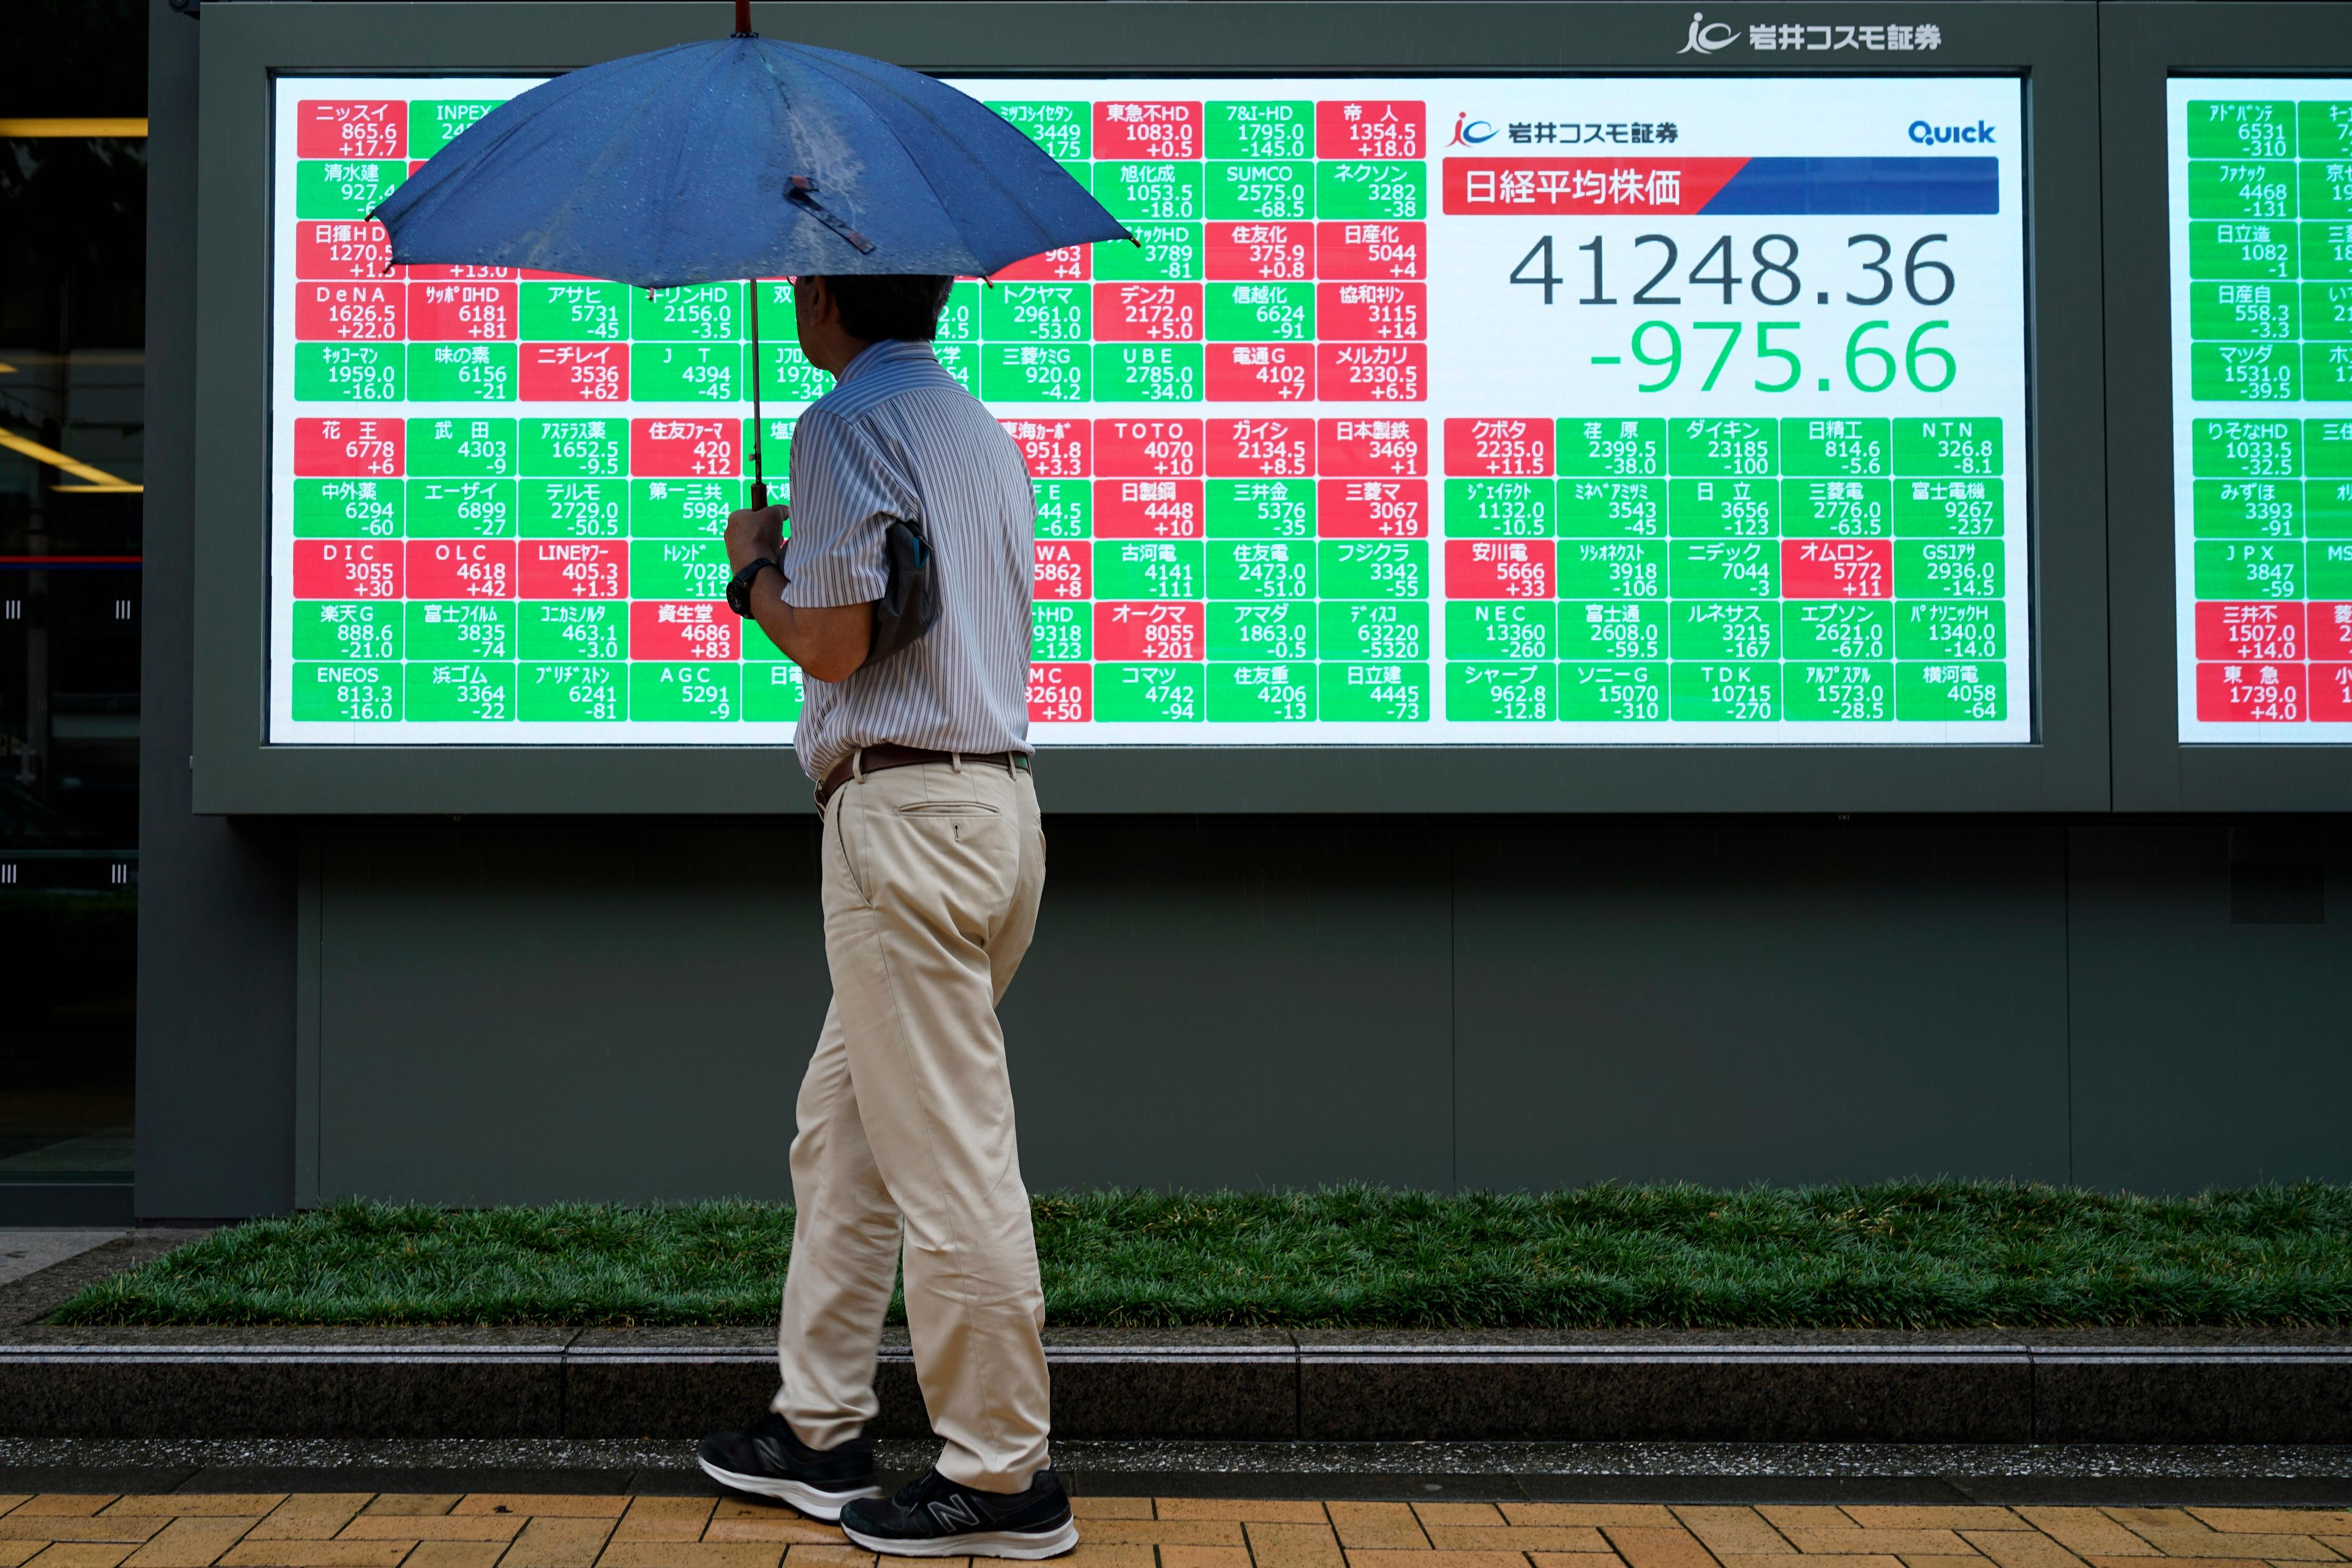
[(760, 496)]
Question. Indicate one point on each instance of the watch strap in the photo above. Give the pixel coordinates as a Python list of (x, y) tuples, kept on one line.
[(739, 587)]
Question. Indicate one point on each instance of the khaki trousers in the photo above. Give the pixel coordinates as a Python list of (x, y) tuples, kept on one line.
[(932, 875)]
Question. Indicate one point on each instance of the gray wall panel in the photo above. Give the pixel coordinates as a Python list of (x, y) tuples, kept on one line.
[(2208, 1051), (1733, 1001)]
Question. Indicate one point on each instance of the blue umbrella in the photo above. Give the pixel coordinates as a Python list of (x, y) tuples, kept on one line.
[(742, 158)]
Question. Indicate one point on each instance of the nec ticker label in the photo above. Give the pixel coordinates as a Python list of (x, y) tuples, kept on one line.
[(1426, 411), (2261, 174)]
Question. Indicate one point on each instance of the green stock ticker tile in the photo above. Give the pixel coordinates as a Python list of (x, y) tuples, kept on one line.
[(1277, 692), (1036, 373), (694, 691), (1371, 188), (1151, 190), (1147, 372), (1839, 692), (1723, 508), (1948, 569), (574, 311), (1061, 633), (1948, 508), (1724, 691), (1037, 313), (348, 690), (689, 372), (1261, 569), (346, 630), (456, 691), (773, 690), (2330, 566), (1964, 692), (678, 569), (1064, 128), (1612, 568), (435, 122), (1492, 690), (1839, 508), (1065, 509), (1372, 569), (1841, 631), (1723, 449), (2241, 128), (1613, 691), (1259, 313), (2232, 249), (1724, 632), (1501, 630), (2246, 449), (1271, 630), (1500, 509), (568, 631), (1149, 693), (1259, 128), (2322, 130), (1266, 190), (2248, 569), (1150, 569), (2247, 509), (461, 447), (2327, 249), (2324, 190), (574, 508), (2324, 312), (575, 449), (695, 312), (2247, 312), (960, 318), (344, 187), (462, 509), (2243, 188), (1261, 509), (1611, 448), (1611, 629), (2328, 509), (1931, 630), (459, 630), (1612, 509), (350, 509), (463, 373), (2245, 373), (350, 373), (566, 692), (683, 509), (1163, 252), (1377, 691), (1371, 630), (1722, 569), (1948, 448), (1836, 448)]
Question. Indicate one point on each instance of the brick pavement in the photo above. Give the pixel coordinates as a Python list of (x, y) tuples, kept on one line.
[(485, 1530)]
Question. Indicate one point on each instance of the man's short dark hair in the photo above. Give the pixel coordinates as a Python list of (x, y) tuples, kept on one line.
[(881, 306)]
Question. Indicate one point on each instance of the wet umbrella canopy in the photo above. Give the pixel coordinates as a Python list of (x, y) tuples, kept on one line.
[(742, 158)]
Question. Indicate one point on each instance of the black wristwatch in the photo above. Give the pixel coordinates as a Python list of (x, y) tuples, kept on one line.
[(739, 587)]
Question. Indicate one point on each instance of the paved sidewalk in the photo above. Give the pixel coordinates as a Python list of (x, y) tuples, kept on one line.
[(487, 1530)]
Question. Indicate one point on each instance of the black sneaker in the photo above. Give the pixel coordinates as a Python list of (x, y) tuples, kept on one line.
[(767, 1460), (932, 1516)]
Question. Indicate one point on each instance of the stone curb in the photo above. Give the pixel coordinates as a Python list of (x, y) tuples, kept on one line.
[(2090, 1387)]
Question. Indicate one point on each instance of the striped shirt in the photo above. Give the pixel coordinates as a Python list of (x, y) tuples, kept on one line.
[(900, 437)]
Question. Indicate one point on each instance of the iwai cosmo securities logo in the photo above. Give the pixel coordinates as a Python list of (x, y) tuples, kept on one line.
[(1708, 38)]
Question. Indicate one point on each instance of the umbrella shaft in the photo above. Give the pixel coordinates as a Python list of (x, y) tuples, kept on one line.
[(742, 18), (759, 477)]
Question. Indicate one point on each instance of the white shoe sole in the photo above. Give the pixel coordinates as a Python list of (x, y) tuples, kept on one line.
[(821, 1505), (1021, 1543)]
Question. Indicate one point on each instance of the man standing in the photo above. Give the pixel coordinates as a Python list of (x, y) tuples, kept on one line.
[(933, 862)]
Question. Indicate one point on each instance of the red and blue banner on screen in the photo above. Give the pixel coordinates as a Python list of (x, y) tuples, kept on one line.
[(1829, 186)]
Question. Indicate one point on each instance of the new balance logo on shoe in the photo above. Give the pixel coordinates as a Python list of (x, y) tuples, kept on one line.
[(954, 1513)]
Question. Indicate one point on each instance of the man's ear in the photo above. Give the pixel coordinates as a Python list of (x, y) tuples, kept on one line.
[(823, 307)]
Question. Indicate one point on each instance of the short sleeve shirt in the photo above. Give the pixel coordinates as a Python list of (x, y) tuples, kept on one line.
[(900, 437)]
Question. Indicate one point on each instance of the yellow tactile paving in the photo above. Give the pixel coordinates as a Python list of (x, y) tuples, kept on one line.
[(511, 1530)]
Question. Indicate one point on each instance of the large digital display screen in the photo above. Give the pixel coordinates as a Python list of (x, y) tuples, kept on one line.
[(2260, 238), (1426, 411)]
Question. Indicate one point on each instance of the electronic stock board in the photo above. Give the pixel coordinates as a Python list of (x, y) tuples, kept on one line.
[(1426, 411), (1431, 413)]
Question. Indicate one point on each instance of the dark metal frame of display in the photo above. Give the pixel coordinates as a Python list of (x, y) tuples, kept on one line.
[(2143, 46), (2052, 47)]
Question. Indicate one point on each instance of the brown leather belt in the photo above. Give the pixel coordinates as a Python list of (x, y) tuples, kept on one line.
[(875, 759)]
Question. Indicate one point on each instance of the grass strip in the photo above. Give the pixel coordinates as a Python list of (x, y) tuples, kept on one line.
[(1897, 1255)]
